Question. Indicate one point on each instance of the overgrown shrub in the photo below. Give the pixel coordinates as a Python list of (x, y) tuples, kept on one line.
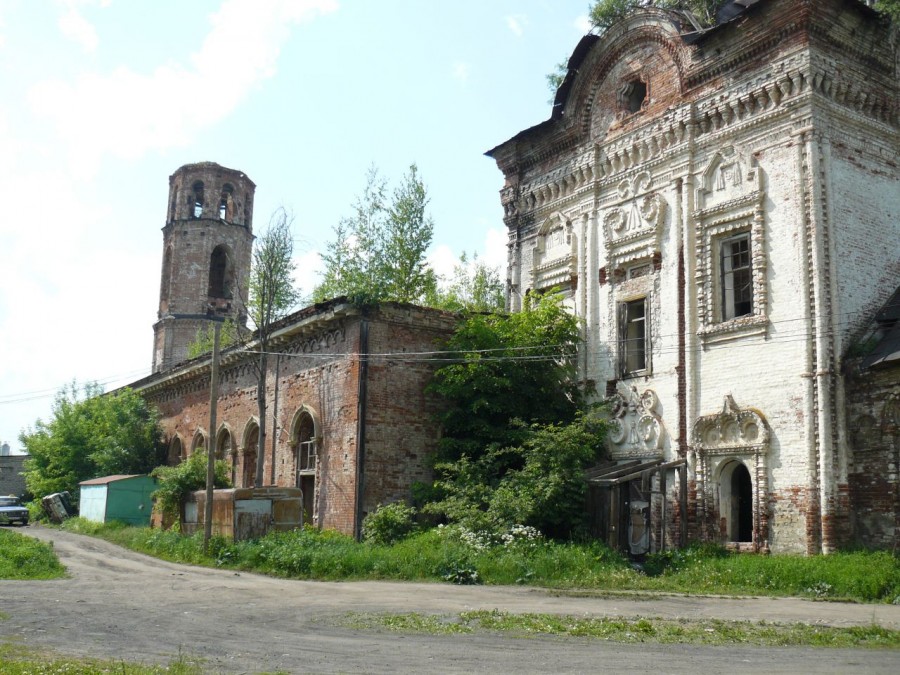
[(177, 482), (389, 523)]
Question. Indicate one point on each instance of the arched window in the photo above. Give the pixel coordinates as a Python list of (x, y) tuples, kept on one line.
[(251, 443), (306, 455), (223, 445), (176, 451), (220, 273), (198, 199), (226, 203), (166, 281), (199, 441)]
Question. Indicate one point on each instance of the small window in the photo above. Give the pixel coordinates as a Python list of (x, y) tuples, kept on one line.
[(226, 203), (632, 95), (198, 199), (633, 337), (736, 277)]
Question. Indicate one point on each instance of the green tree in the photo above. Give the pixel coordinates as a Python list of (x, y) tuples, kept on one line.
[(90, 435), (272, 296), (177, 482), (519, 366), (379, 253), (203, 342), (475, 286), (604, 13), (514, 442)]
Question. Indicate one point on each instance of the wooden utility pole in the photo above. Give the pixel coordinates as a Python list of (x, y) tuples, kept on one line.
[(211, 449)]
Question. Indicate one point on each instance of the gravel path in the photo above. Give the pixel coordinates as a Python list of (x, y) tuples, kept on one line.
[(121, 604)]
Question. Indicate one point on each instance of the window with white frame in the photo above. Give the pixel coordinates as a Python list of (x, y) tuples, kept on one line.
[(634, 337), (736, 277)]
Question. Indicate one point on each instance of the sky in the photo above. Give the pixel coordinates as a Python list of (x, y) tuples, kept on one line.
[(104, 99)]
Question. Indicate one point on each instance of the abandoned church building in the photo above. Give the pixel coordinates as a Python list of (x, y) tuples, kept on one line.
[(351, 424), (721, 209)]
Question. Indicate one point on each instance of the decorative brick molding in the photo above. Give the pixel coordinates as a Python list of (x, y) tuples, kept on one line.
[(636, 428)]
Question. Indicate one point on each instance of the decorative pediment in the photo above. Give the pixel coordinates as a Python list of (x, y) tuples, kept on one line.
[(727, 180), (633, 226), (636, 428), (554, 253), (733, 431)]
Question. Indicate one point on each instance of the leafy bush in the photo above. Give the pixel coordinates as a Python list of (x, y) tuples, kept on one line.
[(23, 557), (389, 523), (176, 482)]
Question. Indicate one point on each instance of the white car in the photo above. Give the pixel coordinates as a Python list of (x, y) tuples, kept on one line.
[(12, 511)]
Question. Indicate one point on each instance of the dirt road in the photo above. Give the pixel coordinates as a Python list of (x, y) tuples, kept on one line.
[(121, 604)]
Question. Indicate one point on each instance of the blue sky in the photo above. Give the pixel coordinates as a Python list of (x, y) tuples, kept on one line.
[(104, 99)]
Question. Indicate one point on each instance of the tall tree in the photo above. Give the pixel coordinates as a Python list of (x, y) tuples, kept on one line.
[(90, 435), (475, 286), (272, 296), (379, 252)]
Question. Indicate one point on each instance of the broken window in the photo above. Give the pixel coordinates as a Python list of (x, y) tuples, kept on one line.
[(223, 445), (197, 199), (633, 337), (220, 274), (632, 96), (736, 277), (226, 203), (250, 449)]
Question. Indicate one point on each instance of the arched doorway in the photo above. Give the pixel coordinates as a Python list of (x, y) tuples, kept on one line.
[(736, 502), (306, 460), (741, 504)]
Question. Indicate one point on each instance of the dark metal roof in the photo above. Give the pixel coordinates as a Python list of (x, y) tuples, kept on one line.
[(887, 351)]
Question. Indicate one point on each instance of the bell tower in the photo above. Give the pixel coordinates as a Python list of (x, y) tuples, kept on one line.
[(207, 246)]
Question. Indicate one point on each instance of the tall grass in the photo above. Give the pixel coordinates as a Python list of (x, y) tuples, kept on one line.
[(435, 555), (22, 557)]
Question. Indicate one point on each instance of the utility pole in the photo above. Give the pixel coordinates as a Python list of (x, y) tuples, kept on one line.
[(211, 450)]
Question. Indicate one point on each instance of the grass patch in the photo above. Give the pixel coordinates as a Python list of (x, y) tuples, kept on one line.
[(23, 557), (442, 555), (659, 631), (21, 660)]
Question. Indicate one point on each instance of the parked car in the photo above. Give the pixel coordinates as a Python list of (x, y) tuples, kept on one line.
[(12, 511)]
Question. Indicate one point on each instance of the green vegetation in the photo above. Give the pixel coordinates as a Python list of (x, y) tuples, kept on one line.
[(521, 556), (91, 435), (23, 557), (272, 296), (660, 631), (21, 660), (389, 524), (475, 287), (379, 252), (176, 482), (514, 441), (203, 342), (604, 13)]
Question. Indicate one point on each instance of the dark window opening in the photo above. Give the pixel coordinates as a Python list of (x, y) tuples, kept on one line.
[(633, 337), (220, 281), (226, 203), (632, 96), (249, 477), (223, 447), (737, 277), (741, 505), (198, 199)]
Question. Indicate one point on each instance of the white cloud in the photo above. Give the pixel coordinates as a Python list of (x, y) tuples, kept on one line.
[(516, 23), (75, 27), (442, 260), (495, 253), (126, 113), (460, 72), (308, 271)]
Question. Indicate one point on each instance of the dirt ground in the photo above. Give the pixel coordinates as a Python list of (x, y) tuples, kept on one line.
[(123, 605)]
